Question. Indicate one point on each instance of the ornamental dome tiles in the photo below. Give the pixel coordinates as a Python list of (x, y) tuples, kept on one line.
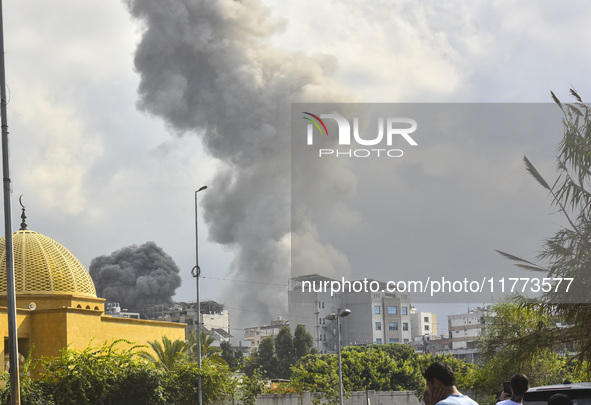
[(43, 266)]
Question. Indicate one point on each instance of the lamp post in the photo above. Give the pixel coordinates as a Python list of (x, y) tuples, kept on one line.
[(369, 369), (15, 396), (336, 317), (196, 272)]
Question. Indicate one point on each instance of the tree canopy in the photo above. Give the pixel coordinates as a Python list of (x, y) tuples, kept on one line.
[(507, 329), (276, 355), (111, 374), (391, 367), (567, 253)]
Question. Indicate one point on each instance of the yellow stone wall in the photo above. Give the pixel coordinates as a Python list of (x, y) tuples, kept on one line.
[(50, 301), (58, 321)]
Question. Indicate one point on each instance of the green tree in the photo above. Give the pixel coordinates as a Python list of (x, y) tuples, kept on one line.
[(506, 327), (377, 367), (103, 375), (285, 352), (208, 350), (266, 358), (391, 367), (302, 342), (231, 355), (277, 356), (568, 252), (115, 376), (167, 353), (318, 373), (181, 384), (251, 387), (31, 392), (464, 371)]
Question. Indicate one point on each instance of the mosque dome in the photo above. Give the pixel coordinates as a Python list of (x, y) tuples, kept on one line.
[(43, 266)]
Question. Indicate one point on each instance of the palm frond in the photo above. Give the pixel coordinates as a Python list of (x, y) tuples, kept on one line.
[(525, 264), (534, 172)]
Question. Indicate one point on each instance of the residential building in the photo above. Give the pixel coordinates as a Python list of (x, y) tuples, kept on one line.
[(438, 345), (310, 308), (467, 327), (376, 317), (214, 319), (431, 344), (256, 334), (379, 317), (422, 324)]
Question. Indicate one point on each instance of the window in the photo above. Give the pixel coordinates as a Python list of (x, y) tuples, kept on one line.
[(378, 326), (405, 340), (392, 325), (426, 327), (404, 310), (377, 309), (426, 319), (379, 341), (404, 325), (392, 310), (393, 340)]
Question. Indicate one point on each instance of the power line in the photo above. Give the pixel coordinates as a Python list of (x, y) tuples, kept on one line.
[(239, 281)]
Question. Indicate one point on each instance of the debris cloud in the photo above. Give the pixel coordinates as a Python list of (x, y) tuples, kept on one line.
[(207, 67), (136, 276)]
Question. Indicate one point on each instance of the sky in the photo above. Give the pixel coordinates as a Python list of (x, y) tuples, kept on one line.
[(119, 111)]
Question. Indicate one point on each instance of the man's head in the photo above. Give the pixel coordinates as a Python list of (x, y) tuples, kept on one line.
[(519, 384), (439, 375), (560, 399)]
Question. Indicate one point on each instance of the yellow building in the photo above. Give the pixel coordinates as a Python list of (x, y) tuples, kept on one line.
[(57, 304)]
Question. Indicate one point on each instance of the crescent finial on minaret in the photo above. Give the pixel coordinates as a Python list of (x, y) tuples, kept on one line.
[(23, 215)]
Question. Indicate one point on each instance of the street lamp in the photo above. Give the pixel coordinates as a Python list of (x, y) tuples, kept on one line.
[(336, 317), (196, 272)]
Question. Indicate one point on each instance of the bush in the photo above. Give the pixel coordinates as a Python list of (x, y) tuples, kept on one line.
[(108, 375)]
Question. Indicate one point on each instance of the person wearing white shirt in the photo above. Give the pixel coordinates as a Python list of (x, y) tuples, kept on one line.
[(519, 386), (441, 382)]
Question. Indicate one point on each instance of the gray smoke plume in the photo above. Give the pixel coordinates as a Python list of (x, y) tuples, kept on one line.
[(136, 276), (207, 67)]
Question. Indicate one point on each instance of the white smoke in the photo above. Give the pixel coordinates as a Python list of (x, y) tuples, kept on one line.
[(207, 67)]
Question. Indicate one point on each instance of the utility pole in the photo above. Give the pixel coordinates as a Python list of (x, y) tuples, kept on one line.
[(15, 396)]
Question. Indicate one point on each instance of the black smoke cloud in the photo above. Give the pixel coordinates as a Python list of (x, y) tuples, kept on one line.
[(207, 67), (136, 276)]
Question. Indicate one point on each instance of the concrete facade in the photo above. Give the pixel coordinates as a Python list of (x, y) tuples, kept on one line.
[(376, 317), (423, 324), (310, 309), (467, 327), (256, 334)]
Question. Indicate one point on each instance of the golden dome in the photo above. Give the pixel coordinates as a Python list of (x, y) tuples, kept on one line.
[(43, 266)]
